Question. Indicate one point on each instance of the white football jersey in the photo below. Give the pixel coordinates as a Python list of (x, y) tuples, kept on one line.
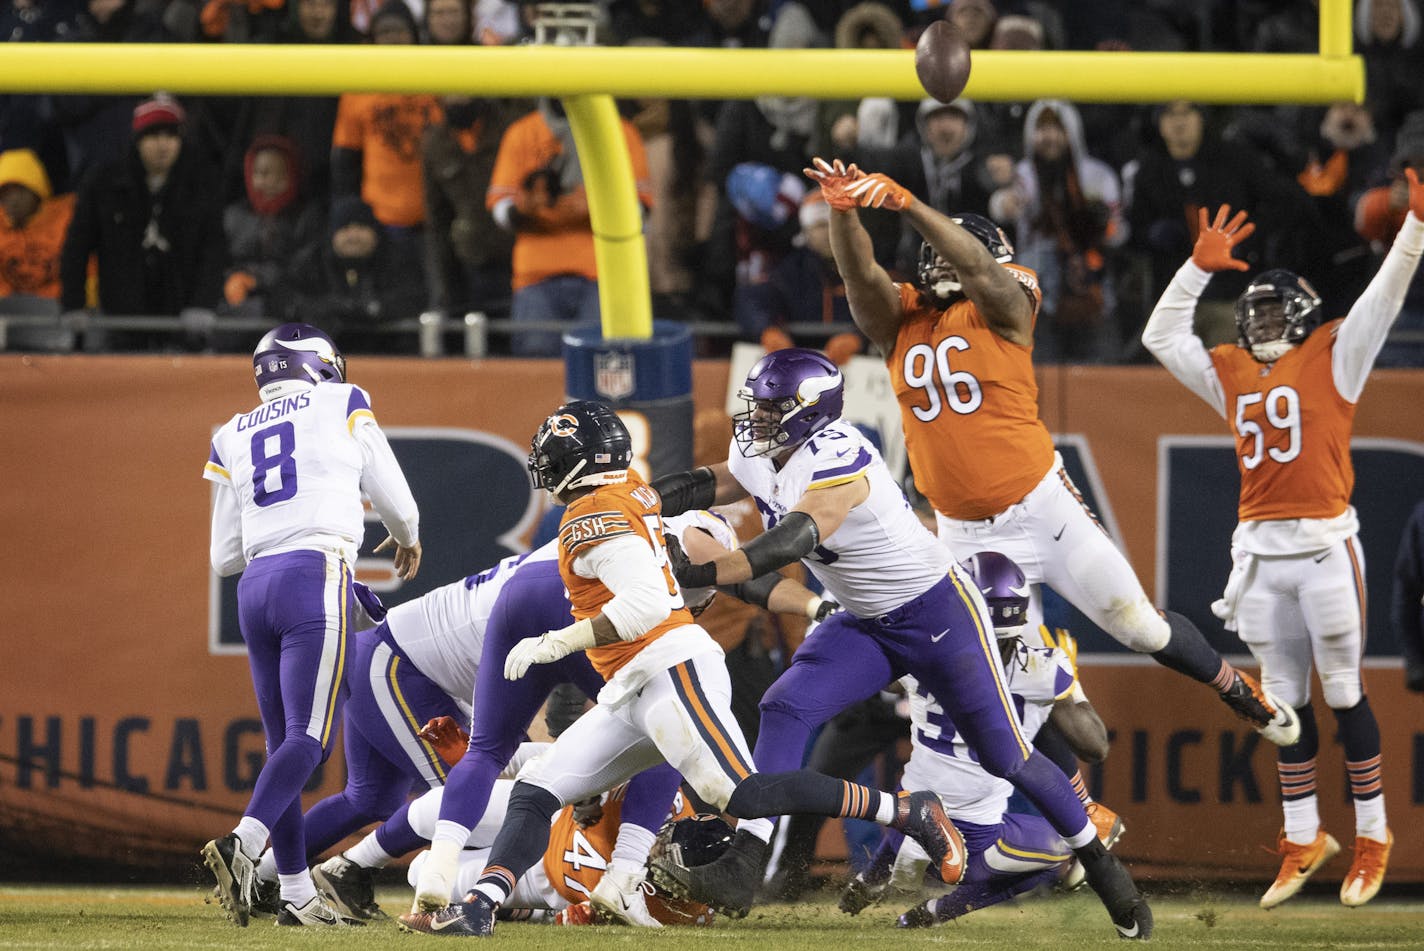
[(941, 761), (881, 556), (296, 467)]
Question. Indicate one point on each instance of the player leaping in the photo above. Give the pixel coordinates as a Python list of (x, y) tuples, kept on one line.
[(958, 346)]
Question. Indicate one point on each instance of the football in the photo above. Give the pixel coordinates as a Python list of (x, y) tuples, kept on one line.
[(942, 61)]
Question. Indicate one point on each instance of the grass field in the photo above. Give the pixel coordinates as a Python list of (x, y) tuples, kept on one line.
[(169, 918)]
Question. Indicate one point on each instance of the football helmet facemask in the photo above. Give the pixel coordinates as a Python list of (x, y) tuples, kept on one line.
[(790, 395), (295, 352), (1005, 590), (937, 278), (581, 444), (1277, 311)]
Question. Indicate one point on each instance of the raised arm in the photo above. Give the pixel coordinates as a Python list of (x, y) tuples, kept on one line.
[(874, 302), (993, 288)]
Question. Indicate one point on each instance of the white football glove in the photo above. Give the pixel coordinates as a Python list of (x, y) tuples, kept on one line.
[(547, 648)]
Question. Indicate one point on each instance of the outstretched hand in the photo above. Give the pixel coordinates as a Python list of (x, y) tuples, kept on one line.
[(878, 190), (1215, 240), (1416, 193), (835, 178)]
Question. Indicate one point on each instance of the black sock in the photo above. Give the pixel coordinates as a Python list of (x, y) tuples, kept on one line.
[(1187, 651), (802, 791), (522, 839)]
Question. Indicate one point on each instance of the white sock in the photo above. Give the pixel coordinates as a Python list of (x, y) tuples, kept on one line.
[(297, 889), (368, 853), (267, 867), (448, 830), (1088, 834), (1369, 818), (630, 852), (885, 812), (253, 835), (1303, 819), (761, 828)]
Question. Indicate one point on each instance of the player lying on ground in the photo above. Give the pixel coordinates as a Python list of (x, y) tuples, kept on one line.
[(1009, 853)]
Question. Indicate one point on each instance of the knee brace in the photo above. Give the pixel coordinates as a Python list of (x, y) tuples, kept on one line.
[(1137, 626)]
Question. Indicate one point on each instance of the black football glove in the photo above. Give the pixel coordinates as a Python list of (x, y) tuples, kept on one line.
[(826, 609), (688, 575)]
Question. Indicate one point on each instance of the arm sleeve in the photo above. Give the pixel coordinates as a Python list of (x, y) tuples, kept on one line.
[(225, 551), (1365, 328), (627, 567), (383, 481), (1168, 337)]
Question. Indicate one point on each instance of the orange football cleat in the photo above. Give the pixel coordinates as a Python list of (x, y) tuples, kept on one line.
[(1298, 863), (1367, 870), (1108, 823)]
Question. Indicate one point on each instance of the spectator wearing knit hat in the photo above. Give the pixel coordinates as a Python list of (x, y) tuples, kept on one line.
[(152, 220)]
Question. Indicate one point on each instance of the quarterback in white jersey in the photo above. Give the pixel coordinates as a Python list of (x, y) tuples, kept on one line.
[(287, 512), (827, 499)]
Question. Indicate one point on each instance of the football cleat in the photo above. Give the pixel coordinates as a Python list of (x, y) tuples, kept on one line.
[(266, 897), (350, 888), (1367, 870), (859, 894), (920, 815), (727, 884), (1129, 911), (920, 916), (1108, 823), (316, 912), (1298, 863), (236, 876), (471, 918), (1272, 719), (622, 899)]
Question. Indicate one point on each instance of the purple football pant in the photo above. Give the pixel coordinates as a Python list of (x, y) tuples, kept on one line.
[(390, 700), (1018, 855), (293, 610), (946, 644), (532, 602)]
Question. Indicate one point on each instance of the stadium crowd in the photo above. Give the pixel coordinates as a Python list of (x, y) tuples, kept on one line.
[(360, 211)]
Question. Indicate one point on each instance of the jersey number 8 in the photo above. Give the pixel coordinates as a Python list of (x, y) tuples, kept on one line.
[(263, 462), (961, 389)]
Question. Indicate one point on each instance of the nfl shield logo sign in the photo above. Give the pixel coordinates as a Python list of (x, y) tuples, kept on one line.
[(613, 374)]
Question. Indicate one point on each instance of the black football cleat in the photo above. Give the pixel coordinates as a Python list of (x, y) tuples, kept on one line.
[(1272, 719), (235, 874), (350, 888), (921, 816), (920, 916), (266, 898), (1107, 876), (471, 918), (859, 894), (727, 884)]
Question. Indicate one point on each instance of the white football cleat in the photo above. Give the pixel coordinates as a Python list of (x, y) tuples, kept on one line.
[(622, 897)]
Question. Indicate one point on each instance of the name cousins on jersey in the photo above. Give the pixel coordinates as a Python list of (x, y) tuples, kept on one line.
[(274, 410)]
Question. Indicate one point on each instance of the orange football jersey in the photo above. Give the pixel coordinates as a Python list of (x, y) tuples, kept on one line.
[(969, 406), (614, 511), (1292, 430)]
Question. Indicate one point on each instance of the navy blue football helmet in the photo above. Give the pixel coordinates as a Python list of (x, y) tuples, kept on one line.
[(938, 279), (693, 840), (297, 352), (790, 395), (1277, 310), (1005, 589), (581, 444)]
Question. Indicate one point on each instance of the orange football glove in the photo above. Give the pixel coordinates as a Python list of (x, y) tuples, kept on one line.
[(238, 287), (1416, 193), (445, 735), (879, 190), (835, 178), (1212, 251)]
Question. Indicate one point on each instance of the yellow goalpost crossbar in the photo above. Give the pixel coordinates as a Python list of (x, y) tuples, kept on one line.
[(588, 77)]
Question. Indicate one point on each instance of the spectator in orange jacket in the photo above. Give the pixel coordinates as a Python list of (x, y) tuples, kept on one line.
[(537, 191), (32, 226)]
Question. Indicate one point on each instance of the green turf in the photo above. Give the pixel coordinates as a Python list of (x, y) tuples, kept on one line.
[(99, 917)]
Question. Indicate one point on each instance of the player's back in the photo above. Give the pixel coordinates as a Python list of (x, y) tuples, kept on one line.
[(969, 407), (629, 509), (881, 556), (296, 467)]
